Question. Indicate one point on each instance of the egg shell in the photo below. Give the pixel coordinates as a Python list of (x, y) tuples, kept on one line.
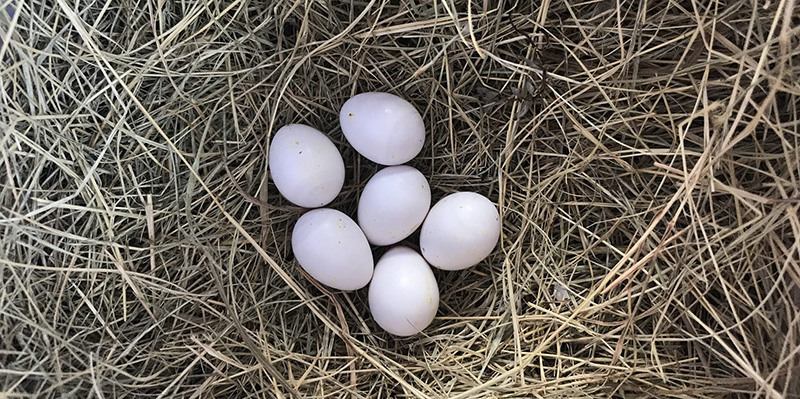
[(403, 294), (332, 249), (393, 204), (305, 165), (460, 230), (383, 127)]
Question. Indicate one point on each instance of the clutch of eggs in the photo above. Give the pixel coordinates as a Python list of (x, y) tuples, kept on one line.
[(458, 232)]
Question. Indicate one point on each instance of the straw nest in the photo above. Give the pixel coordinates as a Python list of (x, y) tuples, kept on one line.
[(643, 155)]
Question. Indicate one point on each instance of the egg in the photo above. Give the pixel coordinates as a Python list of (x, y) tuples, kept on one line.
[(332, 249), (305, 165), (393, 204), (403, 294), (382, 127), (460, 231)]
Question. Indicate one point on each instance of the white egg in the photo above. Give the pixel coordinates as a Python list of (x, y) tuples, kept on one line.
[(460, 231), (403, 294), (305, 165), (331, 248), (382, 127), (394, 203)]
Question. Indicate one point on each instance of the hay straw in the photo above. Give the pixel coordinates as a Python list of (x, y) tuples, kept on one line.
[(645, 158)]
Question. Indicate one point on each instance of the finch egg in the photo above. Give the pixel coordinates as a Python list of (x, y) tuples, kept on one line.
[(460, 231), (305, 165), (393, 204), (382, 127), (403, 294), (332, 249)]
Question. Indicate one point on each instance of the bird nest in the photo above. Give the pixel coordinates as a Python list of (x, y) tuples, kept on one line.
[(644, 157)]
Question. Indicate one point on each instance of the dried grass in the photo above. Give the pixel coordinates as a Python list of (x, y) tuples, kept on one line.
[(645, 156)]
